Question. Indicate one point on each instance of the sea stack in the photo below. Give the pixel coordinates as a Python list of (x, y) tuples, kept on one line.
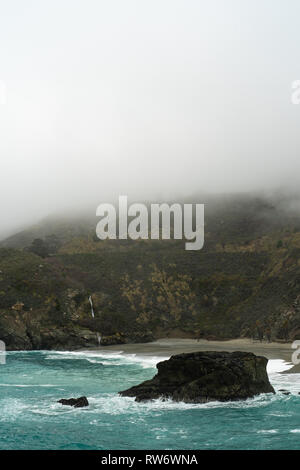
[(206, 376)]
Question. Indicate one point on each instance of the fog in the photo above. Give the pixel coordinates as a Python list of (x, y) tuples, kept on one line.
[(157, 99)]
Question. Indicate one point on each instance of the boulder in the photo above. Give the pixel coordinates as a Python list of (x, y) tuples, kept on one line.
[(76, 402), (206, 376)]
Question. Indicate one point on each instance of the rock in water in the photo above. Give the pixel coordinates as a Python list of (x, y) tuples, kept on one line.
[(76, 402), (206, 376)]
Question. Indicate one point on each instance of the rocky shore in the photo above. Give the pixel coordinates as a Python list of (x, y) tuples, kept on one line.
[(206, 376)]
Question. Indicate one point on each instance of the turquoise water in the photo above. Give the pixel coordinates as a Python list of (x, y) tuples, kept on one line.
[(30, 418)]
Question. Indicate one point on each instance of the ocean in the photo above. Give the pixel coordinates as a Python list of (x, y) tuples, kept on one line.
[(30, 417)]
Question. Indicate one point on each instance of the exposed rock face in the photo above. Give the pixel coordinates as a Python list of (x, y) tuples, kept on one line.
[(118, 338), (128, 337), (206, 376), (76, 402)]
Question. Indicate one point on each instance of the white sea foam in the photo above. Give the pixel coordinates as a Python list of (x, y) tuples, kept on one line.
[(114, 357), (114, 404), (267, 431), (289, 382), (11, 408), (278, 365)]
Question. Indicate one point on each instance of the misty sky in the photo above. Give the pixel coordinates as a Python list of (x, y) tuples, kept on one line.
[(145, 98)]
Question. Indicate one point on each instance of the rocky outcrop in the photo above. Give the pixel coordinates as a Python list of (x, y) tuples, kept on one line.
[(127, 337), (80, 402), (117, 338), (206, 376), (139, 336)]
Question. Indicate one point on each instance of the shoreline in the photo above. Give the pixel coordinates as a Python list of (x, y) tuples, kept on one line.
[(166, 347)]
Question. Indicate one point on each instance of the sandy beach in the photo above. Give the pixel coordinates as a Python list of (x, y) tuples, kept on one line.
[(167, 347)]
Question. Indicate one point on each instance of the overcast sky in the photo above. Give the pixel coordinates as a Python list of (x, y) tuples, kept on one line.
[(145, 98)]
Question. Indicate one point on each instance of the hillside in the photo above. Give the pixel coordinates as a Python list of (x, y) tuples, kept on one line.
[(244, 282)]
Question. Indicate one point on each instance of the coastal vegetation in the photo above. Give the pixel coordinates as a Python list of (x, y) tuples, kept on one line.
[(244, 282)]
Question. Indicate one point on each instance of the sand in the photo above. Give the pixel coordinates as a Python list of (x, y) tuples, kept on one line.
[(167, 347)]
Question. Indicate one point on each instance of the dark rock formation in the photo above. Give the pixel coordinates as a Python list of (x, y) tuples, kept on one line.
[(284, 391), (145, 336), (206, 376), (117, 338), (76, 402)]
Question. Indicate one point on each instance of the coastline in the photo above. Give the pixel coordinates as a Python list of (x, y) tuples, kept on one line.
[(166, 347)]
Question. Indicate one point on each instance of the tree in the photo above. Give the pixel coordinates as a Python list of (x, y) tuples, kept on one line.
[(39, 247), (279, 244)]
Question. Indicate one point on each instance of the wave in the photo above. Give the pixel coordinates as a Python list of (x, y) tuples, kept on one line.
[(114, 358), (289, 382), (27, 385)]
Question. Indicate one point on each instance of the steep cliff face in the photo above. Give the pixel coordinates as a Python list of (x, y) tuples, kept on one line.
[(44, 306), (206, 376)]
